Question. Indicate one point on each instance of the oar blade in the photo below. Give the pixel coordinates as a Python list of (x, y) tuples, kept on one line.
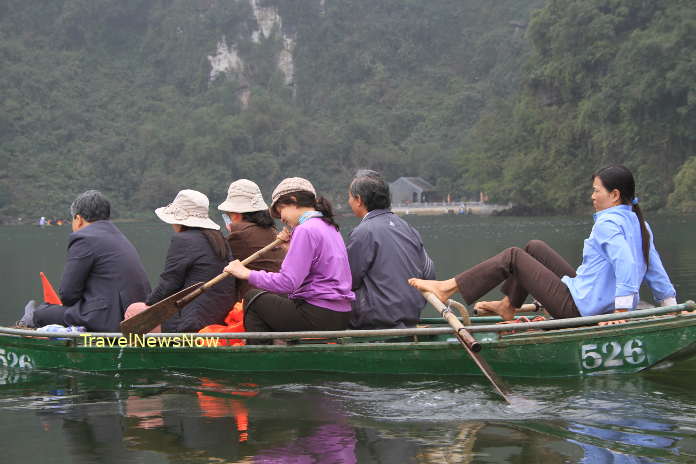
[(470, 344), (157, 313), (498, 385)]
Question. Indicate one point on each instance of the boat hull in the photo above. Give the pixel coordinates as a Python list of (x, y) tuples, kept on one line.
[(615, 349)]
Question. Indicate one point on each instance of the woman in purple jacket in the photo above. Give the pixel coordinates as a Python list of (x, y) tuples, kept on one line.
[(312, 291)]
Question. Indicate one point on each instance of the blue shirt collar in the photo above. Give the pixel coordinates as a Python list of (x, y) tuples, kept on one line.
[(613, 209), (308, 215)]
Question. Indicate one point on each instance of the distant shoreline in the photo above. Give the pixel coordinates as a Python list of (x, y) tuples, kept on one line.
[(464, 208)]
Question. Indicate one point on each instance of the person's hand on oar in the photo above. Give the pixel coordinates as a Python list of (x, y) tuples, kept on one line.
[(285, 235), (238, 270)]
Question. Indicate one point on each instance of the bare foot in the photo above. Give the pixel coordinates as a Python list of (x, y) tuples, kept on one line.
[(488, 308), (502, 308), (442, 289), (483, 308)]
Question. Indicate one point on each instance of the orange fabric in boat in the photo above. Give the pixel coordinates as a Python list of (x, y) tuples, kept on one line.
[(49, 294), (520, 319), (234, 322)]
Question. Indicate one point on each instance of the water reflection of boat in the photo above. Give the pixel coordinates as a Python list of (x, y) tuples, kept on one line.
[(557, 348), (156, 416), (190, 418)]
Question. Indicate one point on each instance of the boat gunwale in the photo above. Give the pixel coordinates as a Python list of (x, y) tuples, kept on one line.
[(498, 343), (582, 323), (663, 322)]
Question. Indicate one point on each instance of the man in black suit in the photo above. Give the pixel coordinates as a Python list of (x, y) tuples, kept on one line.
[(102, 276)]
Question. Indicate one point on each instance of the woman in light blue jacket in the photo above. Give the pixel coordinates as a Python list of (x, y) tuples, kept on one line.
[(617, 257)]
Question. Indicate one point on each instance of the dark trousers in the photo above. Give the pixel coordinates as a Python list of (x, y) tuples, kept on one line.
[(536, 270), (47, 313), (269, 312)]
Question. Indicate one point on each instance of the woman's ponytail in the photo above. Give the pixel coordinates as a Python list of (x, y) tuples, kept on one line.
[(645, 235), (218, 243), (324, 207), (309, 200)]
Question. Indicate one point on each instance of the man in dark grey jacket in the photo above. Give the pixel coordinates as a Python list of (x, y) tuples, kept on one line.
[(102, 275), (384, 251)]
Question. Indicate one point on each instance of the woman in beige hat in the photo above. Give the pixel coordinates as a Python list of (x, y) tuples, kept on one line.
[(197, 253), (251, 228), (312, 290)]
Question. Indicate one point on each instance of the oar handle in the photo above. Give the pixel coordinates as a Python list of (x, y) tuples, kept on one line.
[(462, 334), (263, 250), (470, 341), (217, 279), (528, 308)]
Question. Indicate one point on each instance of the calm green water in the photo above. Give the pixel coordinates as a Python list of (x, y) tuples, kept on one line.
[(175, 416)]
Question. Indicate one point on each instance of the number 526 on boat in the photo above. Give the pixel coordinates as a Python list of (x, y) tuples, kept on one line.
[(612, 355), (12, 359)]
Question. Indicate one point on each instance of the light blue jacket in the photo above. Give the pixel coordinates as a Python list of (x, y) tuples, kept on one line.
[(613, 265)]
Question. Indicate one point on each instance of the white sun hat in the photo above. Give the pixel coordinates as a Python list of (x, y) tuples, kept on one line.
[(243, 196), (189, 208)]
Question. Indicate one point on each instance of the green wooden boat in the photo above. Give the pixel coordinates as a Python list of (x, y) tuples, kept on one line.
[(554, 348)]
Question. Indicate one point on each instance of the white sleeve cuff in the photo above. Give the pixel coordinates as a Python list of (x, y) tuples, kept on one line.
[(623, 302), (671, 301)]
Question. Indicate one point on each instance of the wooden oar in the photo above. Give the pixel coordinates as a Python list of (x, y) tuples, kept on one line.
[(469, 343), (163, 310)]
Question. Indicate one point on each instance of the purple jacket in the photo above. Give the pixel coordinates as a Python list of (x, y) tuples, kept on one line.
[(315, 269)]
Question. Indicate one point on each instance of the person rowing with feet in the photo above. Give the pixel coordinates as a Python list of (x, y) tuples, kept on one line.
[(617, 257)]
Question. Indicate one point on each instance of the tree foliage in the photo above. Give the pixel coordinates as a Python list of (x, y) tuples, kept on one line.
[(118, 96), (683, 198), (609, 81)]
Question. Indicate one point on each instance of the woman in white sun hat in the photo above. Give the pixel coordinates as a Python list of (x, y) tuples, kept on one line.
[(251, 228), (197, 253)]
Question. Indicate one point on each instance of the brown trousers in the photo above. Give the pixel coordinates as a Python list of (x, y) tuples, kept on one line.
[(536, 270)]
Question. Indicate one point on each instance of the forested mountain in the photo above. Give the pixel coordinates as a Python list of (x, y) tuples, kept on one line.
[(608, 81), (520, 98)]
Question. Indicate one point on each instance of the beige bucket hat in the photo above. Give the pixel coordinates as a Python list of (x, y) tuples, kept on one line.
[(243, 196), (290, 185), (189, 208)]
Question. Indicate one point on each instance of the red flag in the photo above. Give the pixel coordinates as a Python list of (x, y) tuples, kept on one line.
[(50, 295)]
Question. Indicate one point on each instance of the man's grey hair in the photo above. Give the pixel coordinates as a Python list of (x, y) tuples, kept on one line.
[(372, 189), (91, 206)]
